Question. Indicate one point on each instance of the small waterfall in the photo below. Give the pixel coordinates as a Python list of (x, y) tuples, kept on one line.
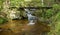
[(31, 18)]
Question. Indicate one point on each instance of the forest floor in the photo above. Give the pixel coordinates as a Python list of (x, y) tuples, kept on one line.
[(20, 27)]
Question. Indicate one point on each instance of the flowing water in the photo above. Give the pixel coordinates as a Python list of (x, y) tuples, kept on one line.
[(31, 18)]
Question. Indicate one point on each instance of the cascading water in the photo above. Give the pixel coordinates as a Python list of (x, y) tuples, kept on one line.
[(31, 18)]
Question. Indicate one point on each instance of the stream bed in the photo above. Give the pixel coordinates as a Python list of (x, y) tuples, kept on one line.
[(20, 27)]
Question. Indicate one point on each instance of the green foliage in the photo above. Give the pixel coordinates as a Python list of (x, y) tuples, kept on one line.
[(16, 3), (56, 6), (49, 13), (56, 20), (2, 20), (1, 4)]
